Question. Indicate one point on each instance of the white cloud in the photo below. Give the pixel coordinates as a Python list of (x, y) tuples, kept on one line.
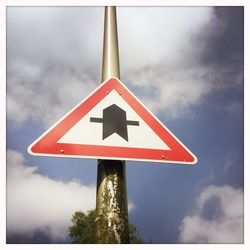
[(174, 91), (58, 65), (35, 201), (131, 206), (159, 34), (221, 224), (44, 96), (163, 57)]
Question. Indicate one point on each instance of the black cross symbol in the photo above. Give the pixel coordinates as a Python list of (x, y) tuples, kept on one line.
[(114, 121)]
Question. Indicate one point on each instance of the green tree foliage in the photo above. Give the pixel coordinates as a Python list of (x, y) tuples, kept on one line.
[(133, 235), (83, 229)]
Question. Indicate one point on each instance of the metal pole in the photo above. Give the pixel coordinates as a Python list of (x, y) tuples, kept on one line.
[(111, 196)]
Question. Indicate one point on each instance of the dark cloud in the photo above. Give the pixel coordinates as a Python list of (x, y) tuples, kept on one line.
[(212, 209), (225, 37), (39, 236), (224, 47)]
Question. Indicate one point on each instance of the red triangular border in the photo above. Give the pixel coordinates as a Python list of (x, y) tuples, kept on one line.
[(47, 144)]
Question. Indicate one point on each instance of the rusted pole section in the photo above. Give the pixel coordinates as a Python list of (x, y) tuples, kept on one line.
[(111, 198)]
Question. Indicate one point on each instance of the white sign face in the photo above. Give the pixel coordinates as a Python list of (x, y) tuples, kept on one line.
[(111, 123), (86, 132)]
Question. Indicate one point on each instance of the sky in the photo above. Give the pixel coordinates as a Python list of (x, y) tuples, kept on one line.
[(184, 63)]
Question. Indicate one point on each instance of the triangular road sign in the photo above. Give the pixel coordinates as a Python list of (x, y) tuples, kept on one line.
[(111, 123)]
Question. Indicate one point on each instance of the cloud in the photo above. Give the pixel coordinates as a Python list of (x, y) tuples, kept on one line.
[(170, 48), (57, 66), (36, 202), (131, 206), (159, 33), (163, 55), (235, 108), (218, 218)]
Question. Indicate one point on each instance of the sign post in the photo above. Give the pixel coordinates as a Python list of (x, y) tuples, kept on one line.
[(111, 196)]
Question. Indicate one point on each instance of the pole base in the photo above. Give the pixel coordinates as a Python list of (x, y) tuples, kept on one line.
[(111, 203)]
